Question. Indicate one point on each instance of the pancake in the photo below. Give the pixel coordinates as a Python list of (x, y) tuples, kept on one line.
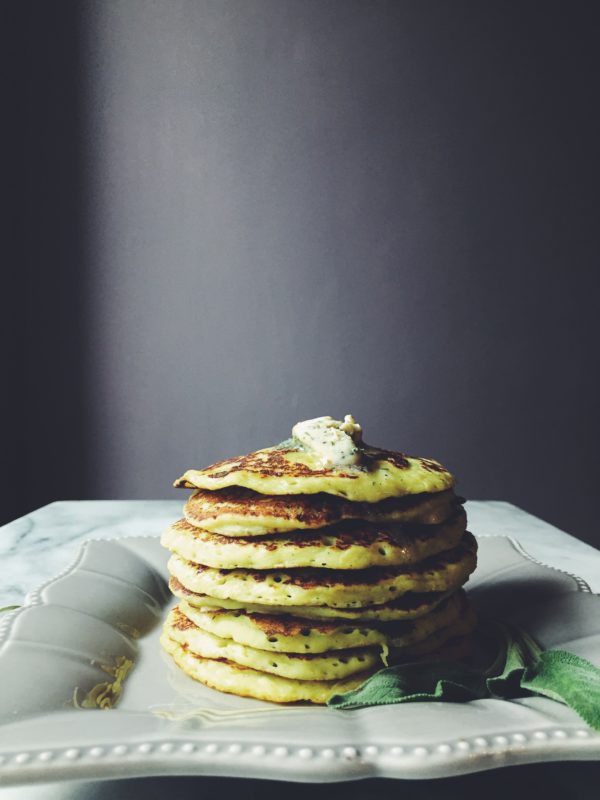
[(304, 567), (241, 512), (287, 469), (298, 666), (228, 677), (349, 545), (411, 605), (334, 588), (454, 649), (459, 628), (296, 635)]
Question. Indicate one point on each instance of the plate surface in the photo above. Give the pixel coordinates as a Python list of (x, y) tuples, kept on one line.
[(110, 603)]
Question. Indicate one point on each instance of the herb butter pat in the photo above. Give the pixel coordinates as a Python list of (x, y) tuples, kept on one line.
[(333, 442)]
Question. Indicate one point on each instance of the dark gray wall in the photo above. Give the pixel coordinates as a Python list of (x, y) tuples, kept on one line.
[(300, 207), (45, 438)]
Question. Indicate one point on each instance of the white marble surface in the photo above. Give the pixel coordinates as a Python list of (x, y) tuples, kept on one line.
[(38, 546)]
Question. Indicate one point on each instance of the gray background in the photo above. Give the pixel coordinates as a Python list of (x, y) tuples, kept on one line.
[(234, 214)]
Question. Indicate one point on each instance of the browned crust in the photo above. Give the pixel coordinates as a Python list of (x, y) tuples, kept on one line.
[(243, 668), (273, 463), (286, 625), (316, 577), (182, 623), (344, 535), (308, 510)]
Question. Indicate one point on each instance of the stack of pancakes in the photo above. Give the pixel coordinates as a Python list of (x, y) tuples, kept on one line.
[(297, 581)]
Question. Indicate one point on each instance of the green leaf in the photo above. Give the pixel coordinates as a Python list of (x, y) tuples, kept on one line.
[(519, 668), (449, 681), (569, 679)]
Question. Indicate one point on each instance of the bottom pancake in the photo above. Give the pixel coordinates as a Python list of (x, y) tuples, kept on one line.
[(231, 678), (438, 641), (335, 665), (454, 649), (244, 682)]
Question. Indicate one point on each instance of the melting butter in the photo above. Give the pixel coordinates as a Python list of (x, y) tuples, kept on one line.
[(335, 443)]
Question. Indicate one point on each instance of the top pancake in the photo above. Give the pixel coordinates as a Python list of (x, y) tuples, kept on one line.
[(241, 512), (287, 469)]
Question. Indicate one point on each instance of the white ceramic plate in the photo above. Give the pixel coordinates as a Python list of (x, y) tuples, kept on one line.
[(166, 724)]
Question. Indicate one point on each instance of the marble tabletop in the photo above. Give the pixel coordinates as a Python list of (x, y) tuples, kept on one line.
[(40, 545)]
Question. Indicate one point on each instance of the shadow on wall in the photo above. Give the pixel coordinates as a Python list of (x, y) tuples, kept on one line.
[(43, 297)]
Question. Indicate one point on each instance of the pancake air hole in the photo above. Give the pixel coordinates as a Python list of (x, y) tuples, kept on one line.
[(272, 639), (382, 551)]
